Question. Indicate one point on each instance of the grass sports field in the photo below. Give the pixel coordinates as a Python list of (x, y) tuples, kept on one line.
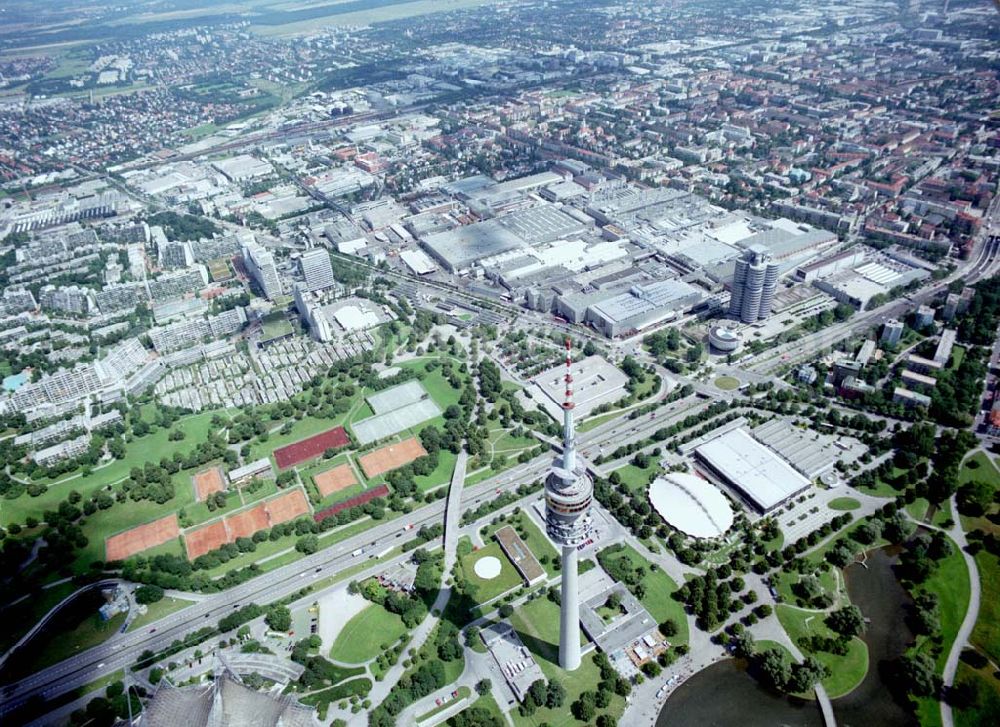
[(486, 589)]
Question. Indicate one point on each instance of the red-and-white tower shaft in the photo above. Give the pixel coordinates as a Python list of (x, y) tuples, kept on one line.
[(569, 436)]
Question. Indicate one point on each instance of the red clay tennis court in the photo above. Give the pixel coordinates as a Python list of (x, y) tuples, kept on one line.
[(141, 537), (246, 523), (296, 452), (207, 483), (287, 507), (205, 539), (368, 496), (391, 457), (334, 480)]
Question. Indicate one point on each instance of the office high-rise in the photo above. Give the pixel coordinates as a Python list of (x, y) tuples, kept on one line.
[(262, 268), (568, 495), (754, 283), (317, 269)]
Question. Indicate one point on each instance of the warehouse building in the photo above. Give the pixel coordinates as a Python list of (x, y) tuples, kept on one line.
[(761, 478)]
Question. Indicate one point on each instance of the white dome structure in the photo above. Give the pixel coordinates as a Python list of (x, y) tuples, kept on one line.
[(692, 505)]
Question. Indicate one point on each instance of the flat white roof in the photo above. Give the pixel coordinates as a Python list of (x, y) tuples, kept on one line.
[(757, 471), (354, 318), (418, 261), (691, 505)]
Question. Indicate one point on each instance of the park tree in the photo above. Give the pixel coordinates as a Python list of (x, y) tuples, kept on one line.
[(847, 621), (307, 544), (773, 668), (805, 675), (916, 672), (279, 618), (148, 594), (555, 695)]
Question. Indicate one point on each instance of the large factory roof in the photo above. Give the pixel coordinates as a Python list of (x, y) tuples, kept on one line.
[(463, 246), (544, 223), (691, 505), (641, 299), (761, 475)]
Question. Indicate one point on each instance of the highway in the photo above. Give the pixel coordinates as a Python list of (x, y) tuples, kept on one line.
[(123, 650)]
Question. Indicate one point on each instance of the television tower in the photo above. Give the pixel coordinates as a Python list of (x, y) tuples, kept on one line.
[(568, 494)]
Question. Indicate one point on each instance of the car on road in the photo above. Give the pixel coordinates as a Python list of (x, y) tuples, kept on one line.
[(152, 631)]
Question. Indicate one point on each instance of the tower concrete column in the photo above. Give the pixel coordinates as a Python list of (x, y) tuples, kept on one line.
[(569, 616)]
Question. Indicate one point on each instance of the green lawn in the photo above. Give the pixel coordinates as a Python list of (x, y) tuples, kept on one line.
[(440, 475), (785, 581), (635, 478), (198, 512), (486, 590), (592, 422), (323, 698), (23, 615), (727, 383), (918, 508), (817, 556), (137, 452), (844, 503), (847, 671), (489, 704), (986, 634), (158, 610), (950, 583), (980, 467), (537, 623), (657, 597), (985, 709), (367, 635), (73, 629)]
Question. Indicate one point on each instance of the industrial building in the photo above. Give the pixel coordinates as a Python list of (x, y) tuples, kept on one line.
[(762, 479), (642, 306), (723, 339), (876, 277)]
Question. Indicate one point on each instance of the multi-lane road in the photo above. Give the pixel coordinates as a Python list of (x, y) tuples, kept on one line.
[(123, 650)]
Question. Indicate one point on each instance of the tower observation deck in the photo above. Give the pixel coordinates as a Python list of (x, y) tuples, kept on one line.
[(568, 495)]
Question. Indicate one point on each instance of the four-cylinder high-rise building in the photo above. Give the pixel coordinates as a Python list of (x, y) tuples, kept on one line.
[(754, 283), (568, 494)]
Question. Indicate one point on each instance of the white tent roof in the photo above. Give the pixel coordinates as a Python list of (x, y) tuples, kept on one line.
[(691, 505)]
